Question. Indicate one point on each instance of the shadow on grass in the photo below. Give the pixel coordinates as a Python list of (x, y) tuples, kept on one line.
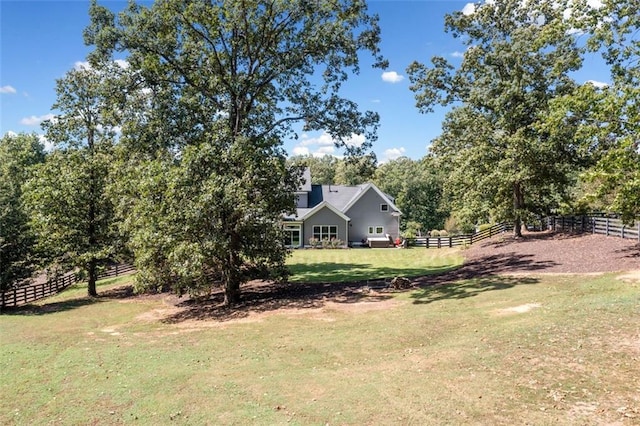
[(469, 288), (265, 296), (43, 308), (350, 272), (53, 307)]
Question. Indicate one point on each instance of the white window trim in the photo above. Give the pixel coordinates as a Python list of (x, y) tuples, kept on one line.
[(384, 207), (373, 230), (330, 233)]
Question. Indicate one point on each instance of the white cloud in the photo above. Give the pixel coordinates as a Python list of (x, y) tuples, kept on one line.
[(300, 150), (324, 144), (81, 65), (36, 120), (122, 63), (355, 140), (392, 77), (48, 146), (469, 9), (7, 89), (598, 84), (324, 139), (392, 154), (458, 54)]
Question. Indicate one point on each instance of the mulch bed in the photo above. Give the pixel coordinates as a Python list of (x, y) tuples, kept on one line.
[(548, 252)]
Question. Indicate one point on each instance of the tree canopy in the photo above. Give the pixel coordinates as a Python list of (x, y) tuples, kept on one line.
[(502, 163), (18, 258), (66, 196), (222, 83)]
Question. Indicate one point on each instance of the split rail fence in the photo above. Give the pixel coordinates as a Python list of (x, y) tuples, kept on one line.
[(19, 296)]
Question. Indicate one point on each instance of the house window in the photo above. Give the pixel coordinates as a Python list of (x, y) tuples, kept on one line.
[(376, 230), (321, 232), (384, 207), (292, 235)]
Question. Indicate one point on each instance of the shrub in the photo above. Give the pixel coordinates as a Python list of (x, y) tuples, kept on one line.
[(314, 242), (336, 243), (484, 226), (443, 233), (435, 233)]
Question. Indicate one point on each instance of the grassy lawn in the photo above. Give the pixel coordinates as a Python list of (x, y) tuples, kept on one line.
[(548, 350), (362, 264)]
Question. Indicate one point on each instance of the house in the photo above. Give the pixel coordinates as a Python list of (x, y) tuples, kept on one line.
[(356, 215)]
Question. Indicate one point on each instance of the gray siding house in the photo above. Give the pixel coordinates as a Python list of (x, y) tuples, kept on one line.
[(357, 215)]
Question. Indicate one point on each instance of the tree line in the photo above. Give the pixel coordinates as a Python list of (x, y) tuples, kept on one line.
[(173, 156)]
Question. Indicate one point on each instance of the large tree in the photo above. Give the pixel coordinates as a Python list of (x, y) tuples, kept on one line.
[(18, 154), (228, 80), (502, 162), (615, 120), (66, 196)]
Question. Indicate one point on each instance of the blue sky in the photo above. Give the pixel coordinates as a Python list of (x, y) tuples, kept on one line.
[(40, 40)]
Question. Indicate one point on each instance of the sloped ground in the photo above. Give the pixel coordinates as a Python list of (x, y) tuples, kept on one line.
[(547, 252)]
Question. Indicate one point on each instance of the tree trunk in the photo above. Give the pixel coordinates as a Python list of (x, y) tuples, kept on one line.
[(518, 205), (92, 231), (232, 274), (93, 277), (231, 293)]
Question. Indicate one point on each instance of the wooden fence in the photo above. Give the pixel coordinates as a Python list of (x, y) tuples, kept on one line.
[(460, 240), (609, 226), (22, 295)]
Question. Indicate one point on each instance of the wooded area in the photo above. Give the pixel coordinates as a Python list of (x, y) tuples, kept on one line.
[(175, 160)]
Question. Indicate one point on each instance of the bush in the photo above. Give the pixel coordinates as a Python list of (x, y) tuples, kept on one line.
[(443, 233), (435, 233), (314, 242), (484, 226), (326, 243)]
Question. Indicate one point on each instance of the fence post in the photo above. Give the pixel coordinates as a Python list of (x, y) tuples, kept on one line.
[(607, 227)]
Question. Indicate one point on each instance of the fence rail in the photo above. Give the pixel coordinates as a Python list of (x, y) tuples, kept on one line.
[(22, 295), (609, 226), (460, 240)]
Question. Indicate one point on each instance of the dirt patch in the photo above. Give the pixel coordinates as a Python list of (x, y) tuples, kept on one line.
[(521, 309), (632, 276)]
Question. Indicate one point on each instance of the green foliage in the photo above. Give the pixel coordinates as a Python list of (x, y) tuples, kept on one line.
[(411, 230), (69, 210), (323, 169), (18, 154), (417, 188), (202, 180), (484, 227), (499, 163), (612, 116)]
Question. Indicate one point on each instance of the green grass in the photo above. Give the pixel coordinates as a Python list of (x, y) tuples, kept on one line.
[(363, 264), (454, 354)]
